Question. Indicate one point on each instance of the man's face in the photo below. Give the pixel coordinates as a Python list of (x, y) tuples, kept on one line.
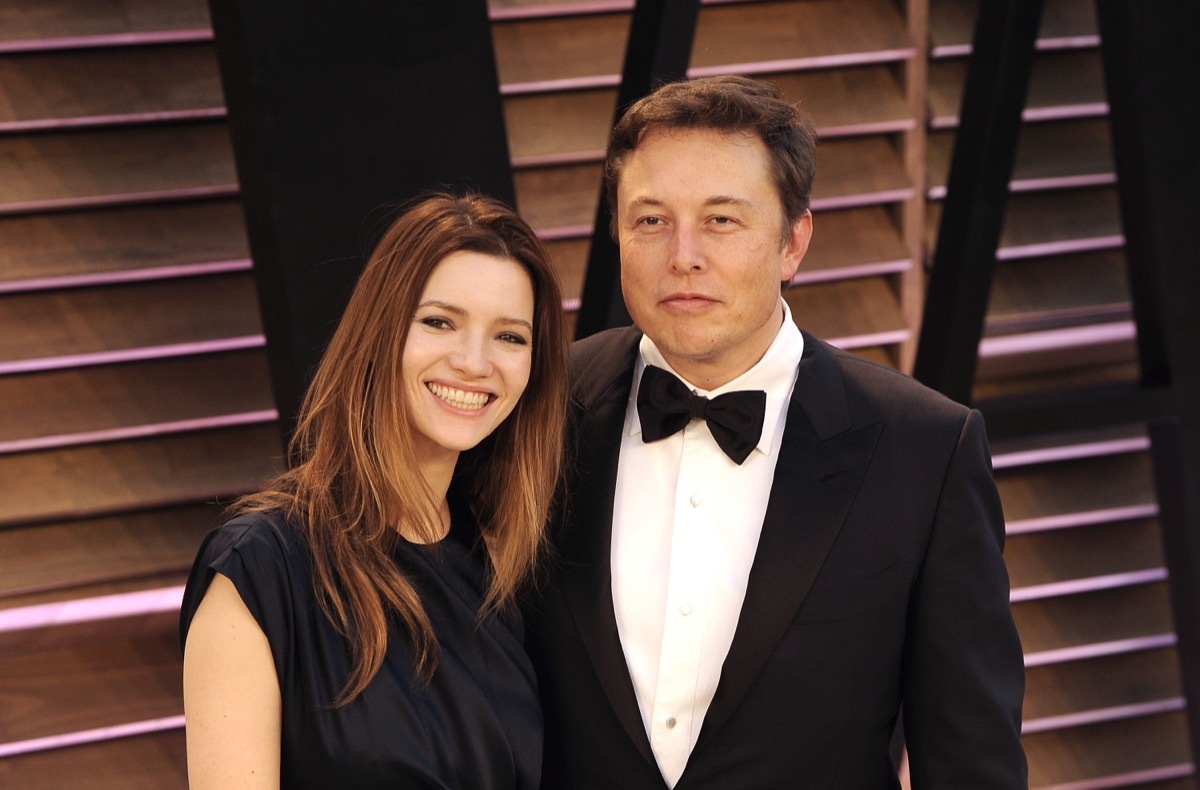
[(703, 250)]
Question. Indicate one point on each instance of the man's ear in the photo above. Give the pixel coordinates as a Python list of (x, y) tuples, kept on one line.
[(796, 245)]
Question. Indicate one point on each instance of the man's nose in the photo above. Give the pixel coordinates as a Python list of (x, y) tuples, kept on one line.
[(686, 254)]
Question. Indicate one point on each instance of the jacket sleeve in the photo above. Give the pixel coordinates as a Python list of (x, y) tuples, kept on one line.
[(963, 673)]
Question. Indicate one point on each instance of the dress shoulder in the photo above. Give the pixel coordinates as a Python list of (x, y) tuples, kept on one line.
[(269, 564)]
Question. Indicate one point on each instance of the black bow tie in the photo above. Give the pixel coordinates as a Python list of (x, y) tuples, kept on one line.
[(665, 405)]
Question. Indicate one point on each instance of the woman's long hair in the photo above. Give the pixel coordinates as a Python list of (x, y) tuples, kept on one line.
[(352, 480)]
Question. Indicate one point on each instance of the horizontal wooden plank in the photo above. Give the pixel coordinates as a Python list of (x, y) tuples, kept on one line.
[(66, 248), (561, 201), (849, 313), (1054, 492), (1091, 618), (1052, 223), (1064, 84), (1045, 362), (144, 762), (1065, 24), (92, 167), (1053, 155), (856, 242), (1062, 556), (1107, 682), (770, 36), (1057, 291), (572, 126), (37, 24), (106, 402), (564, 126), (47, 330), (134, 675), (107, 86), (557, 53), (102, 479), (578, 51), (69, 555), (849, 100), (1102, 754)]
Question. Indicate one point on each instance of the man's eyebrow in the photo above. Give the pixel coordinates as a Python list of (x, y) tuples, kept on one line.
[(727, 200)]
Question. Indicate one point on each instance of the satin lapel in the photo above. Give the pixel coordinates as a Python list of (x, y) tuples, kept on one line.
[(586, 572), (821, 465)]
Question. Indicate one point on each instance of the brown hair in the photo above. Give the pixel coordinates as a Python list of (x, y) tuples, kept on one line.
[(724, 104), (351, 481)]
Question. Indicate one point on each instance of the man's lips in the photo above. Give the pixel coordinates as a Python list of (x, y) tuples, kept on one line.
[(688, 300)]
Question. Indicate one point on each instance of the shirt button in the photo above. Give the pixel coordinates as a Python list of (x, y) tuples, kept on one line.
[(670, 722), (686, 609), (695, 500)]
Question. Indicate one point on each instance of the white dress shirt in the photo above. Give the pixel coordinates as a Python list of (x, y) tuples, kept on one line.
[(686, 524)]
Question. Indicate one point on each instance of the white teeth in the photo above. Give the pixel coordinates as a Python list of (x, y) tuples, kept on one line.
[(459, 398)]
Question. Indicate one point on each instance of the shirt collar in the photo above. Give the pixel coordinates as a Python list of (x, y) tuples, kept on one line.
[(774, 374)]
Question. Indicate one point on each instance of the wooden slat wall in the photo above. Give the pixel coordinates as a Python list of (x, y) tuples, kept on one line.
[(134, 391), (1104, 705)]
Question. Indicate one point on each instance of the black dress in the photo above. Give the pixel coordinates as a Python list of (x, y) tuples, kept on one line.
[(477, 724)]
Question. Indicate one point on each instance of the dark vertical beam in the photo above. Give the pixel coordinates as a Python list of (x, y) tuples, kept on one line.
[(1152, 78), (659, 49), (976, 194), (338, 111)]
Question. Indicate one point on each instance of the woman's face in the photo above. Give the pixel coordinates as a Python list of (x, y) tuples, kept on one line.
[(469, 352)]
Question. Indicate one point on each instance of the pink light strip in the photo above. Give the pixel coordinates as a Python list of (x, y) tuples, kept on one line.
[(801, 64), (1059, 247), (1131, 444), (1043, 44), (1082, 519), (546, 10), (866, 341), (1055, 339), (1132, 779), (131, 354), (138, 431), (1099, 649), (567, 84), (113, 119), (126, 276), (87, 610), (182, 36), (862, 199), (1101, 715), (847, 272), (83, 737), (1111, 581), (121, 199)]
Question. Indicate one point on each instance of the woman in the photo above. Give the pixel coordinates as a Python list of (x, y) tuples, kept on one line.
[(353, 625)]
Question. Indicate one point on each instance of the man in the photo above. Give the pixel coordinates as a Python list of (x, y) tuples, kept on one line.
[(749, 594)]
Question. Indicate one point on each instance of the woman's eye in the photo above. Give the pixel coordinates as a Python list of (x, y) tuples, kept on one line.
[(515, 339), (435, 322)]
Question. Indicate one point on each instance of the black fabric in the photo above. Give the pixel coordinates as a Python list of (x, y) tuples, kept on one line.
[(665, 405), (477, 724)]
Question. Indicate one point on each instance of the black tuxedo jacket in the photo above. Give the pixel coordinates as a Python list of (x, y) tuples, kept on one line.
[(878, 580)]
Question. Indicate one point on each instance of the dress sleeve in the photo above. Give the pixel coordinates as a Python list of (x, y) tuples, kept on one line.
[(263, 559)]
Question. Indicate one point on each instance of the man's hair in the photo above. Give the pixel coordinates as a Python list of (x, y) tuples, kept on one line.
[(730, 104)]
